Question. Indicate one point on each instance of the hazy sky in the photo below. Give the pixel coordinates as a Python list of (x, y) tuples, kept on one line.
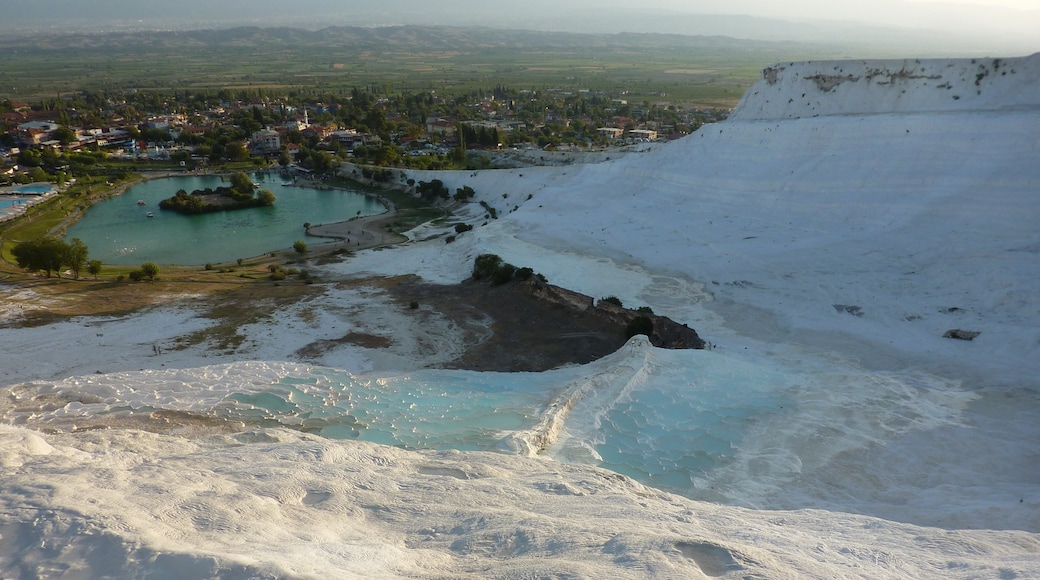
[(941, 14)]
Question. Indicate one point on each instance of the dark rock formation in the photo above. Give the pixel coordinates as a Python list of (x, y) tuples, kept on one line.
[(666, 332), (961, 334)]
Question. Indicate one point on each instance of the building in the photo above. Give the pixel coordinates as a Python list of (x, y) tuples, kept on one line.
[(644, 134), (267, 141)]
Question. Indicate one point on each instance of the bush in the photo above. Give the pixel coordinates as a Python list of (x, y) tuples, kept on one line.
[(413, 305), (612, 300), (461, 227), (209, 266), (136, 276), (449, 239), (524, 273), (150, 270), (639, 325), (463, 193), (503, 274), (300, 246), (645, 310), (485, 265)]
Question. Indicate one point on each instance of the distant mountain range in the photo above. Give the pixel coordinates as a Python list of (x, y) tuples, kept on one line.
[(394, 38)]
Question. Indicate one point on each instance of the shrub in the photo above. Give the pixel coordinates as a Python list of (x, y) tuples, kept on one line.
[(300, 246), (413, 305), (136, 276), (463, 193), (150, 270), (485, 265), (612, 300), (449, 239), (645, 310), (209, 266), (524, 273), (461, 227), (503, 274)]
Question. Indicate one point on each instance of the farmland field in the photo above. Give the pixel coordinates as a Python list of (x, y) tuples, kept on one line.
[(705, 71)]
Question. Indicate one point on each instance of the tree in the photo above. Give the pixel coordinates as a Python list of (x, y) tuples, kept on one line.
[(265, 197), (94, 268), (40, 254), (74, 255), (150, 270), (236, 151), (64, 135), (300, 246), (240, 182)]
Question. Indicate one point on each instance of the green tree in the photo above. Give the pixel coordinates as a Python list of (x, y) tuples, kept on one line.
[(236, 151), (38, 174), (300, 246), (265, 197), (241, 183), (42, 253), (150, 270), (74, 255), (65, 135), (94, 268)]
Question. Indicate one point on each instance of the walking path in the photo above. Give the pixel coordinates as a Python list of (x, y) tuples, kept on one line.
[(360, 233)]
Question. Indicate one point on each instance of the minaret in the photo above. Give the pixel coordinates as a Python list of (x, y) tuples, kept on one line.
[(306, 123)]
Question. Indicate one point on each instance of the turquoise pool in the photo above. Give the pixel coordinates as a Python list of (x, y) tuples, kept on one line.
[(35, 188)]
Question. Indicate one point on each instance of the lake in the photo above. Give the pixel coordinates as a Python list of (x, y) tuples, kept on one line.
[(119, 231)]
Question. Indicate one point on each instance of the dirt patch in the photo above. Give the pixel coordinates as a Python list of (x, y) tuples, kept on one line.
[(316, 349)]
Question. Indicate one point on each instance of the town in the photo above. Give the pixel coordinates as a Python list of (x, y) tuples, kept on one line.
[(68, 135)]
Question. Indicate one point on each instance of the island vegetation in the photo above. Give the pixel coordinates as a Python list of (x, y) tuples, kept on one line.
[(241, 194)]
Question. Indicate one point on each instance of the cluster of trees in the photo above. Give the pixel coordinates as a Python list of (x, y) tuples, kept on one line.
[(432, 190), (487, 138), (492, 267), (46, 254), (238, 196)]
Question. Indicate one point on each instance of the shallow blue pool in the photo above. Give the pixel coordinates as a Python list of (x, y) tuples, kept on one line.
[(35, 188)]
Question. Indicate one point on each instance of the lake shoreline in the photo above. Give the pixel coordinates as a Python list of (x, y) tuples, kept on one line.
[(355, 233)]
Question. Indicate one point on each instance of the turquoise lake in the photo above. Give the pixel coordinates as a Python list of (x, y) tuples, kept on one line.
[(119, 231)]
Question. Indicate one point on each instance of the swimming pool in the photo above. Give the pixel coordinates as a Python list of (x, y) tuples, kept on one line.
[(35, 188), (11, 202)]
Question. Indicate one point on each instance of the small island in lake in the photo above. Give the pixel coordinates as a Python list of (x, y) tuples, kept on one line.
[(239, 195)]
